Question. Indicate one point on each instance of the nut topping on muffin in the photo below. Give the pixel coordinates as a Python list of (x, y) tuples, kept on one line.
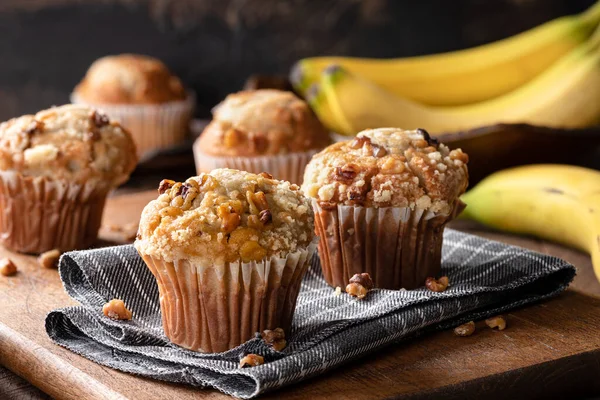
[(226, 216), (56, 143), (388, 167)]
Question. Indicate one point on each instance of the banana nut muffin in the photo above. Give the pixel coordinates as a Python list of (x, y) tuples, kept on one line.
[(129, 79), (228, 250), (388, 167), (226, 216), (262, 122), (142, 94), (264, 130), (73, 142), (381, 203), (56, 169)]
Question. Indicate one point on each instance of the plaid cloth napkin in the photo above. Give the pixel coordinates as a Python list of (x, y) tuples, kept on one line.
[(486, 278)]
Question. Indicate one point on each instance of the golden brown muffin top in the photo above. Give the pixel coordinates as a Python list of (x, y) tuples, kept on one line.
[(388, 167), (129, 79), (225, 216), (71, 142), (262, 122)]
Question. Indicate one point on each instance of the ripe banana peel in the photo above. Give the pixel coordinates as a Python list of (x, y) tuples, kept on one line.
[(560, 203), (466, 76), (566, 95)]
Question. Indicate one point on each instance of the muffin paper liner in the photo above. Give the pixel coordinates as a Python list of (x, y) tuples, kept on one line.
[(38, 214), (288, 167), (152, 126), (211, 308), (397, 246)]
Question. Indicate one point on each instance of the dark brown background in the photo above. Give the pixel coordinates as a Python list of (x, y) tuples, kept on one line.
[(46, 45)]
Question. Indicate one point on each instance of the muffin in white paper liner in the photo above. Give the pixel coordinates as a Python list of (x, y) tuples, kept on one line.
[(152, 126), (397, 246), (213, 308), (38, 214), (287, 167)]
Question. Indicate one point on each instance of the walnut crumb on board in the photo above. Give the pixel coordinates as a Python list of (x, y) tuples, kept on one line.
[(49, 259), (115, 309), (7, 267)]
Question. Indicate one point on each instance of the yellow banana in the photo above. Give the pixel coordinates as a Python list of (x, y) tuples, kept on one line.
[(566, 95), (560, 203), (318, 102), (466, 76)]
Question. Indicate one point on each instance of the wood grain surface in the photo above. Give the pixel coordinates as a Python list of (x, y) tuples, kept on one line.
[(550, 349)]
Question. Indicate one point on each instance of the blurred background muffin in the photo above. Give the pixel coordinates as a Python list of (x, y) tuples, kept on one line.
[(381, 203), (141, 93), (56, 168), (219, 242), (263, 130)]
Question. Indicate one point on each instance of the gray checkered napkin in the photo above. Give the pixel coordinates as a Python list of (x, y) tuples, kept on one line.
[(486, 278)]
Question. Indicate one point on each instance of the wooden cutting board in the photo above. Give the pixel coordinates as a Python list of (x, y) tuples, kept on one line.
[(550, 349)]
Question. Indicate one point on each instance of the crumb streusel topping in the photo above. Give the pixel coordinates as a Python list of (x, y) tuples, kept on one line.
[(388, 167), (262, 122), (71, 142), (225, 216)]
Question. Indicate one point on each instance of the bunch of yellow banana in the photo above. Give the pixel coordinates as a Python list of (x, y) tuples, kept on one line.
[(547, 76), (465, 76), (555, 202)]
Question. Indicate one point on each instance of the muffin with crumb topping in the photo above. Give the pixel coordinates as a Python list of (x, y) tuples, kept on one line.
[(228, 250), (56, 168), (381, 203), (263, 130), (141, 93)]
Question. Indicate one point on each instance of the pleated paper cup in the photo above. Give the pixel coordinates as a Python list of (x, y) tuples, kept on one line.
[(212, 308), (153, 127), (38, 214), (288, 167), (398, 247)]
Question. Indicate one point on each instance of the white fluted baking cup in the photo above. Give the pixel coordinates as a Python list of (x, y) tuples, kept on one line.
[(152, 126), (214, 308)]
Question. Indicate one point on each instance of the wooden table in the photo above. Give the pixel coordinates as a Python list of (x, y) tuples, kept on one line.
[(551, 348)]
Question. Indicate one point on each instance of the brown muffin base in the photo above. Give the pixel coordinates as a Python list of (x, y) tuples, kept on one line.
[(40, 214), (397, 246), (213, 309), (286, 167)]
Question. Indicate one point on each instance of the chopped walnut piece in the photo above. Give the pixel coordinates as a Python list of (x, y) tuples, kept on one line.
[(230, 220), (347, 173), (99, 119), (465, 329), (378, 151), (274, 338), (49, 259), (496, 322), (165, 185), (115, 309), (7, 267), (431, 141), (359, 285), (231, 138), (265, 217), (266, 175), (437, 285), (251, 360), (359, 142)]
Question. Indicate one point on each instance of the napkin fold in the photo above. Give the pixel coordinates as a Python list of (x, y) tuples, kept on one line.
[(486, 278)]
